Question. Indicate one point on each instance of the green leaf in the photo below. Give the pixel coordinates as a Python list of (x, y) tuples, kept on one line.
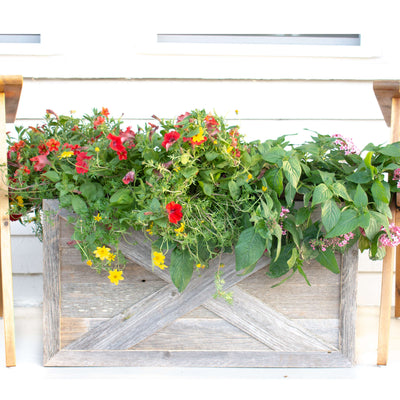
[(279, 266), (302, 215), (363, 243), (79, 206), (234, 189), (92, 191), (362, 176), (348, 221), (328, 260), (274, 179), (321, 193), (208, 188), (340, 191), (122, 197), (391, 150), (181, 268), (273, 155), (188, 172), (377, 220), (379, 192), (249, 248), (327, 177), (290, 192), (330, 214), (52, 175), (212, 155), (360, 197), (292, 170)]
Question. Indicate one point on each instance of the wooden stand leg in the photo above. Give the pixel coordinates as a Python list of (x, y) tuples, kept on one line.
[(397, 289), (5, 246)]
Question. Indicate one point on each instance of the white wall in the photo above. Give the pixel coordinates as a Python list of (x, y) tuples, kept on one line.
[(96, 54)]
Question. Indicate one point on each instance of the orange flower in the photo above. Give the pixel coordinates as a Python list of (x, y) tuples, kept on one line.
[(105, 112), (53, 145)]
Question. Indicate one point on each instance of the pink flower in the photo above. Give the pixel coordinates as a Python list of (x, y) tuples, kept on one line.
[(129, 177), (40, 162)]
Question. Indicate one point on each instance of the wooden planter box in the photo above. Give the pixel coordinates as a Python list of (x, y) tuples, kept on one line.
[(144, 321)]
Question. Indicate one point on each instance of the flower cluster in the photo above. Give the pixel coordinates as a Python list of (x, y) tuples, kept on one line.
[(392, 239), (196, 188), (334, 243), (346, 144)]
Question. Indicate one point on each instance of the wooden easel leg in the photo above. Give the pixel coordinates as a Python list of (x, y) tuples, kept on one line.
[(397, 287), (5, 250)]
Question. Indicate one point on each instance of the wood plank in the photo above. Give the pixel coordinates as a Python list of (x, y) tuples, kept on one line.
[(166, 358), (7, 303), (385, 91), (397, 263), (11, 85), (157, 310), (51, 277), (265, 324), (348, 303), (386, 302)]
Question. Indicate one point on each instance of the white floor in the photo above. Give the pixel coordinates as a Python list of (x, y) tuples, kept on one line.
[(29, 377)]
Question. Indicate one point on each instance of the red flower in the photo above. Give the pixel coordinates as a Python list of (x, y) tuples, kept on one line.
[(43, 149), (73, 147), (129, 177), (105, 112), (174, 211), (99, 121), (40, 162), (169, 139), (116, 145), (181, 118), (53, 144), (82, 167)]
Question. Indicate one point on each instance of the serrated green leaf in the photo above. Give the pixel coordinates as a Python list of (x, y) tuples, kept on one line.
[(330, 214), (379, 192), (360, 197), (340, 191), (292, 171), (302, 215), (274, 179), (321, 193), (52, 175), (79, 206), (348, 221), (234, 190)]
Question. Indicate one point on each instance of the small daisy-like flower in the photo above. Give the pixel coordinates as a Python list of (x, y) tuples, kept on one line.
[(162, 266), (97, 217), (111, 257), (115, 276), (180, 229), (158, 259), (89, 262), (264, 188), (66, 154), (249, 176), (20, 201), (96, 149), (200, 266), (102, 252)]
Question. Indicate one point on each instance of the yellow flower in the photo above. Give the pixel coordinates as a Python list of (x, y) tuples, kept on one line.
[(150, 230), (97, 217), (20, 201), (229, 149), (158, 259), (221, 265), (199, 137), (110, 257), (162, 266), (66, 154), (115, 276), (264, 188), (236, 112), (202, 266), (180, 229), (96, 149), (215, 142), (89, 262), (102, 252), (249, 176)]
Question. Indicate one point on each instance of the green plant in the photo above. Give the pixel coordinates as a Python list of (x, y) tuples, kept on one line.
[(197, 188)]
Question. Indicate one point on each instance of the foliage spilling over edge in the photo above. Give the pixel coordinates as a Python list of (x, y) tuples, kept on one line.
[(197, 189)]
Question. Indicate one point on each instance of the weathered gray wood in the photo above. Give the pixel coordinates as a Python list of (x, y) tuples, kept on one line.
[(268, 326), (252, 359), (157, 310), (216, 337), (51, 279), (249, 314), (348, 303)]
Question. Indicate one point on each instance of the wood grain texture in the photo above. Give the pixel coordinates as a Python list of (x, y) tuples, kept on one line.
[(11, 86), (385, 91), (154, 325), (7, 298), (51, 280)]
